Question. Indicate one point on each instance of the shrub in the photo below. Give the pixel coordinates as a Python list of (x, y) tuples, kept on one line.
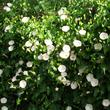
[(55, 55)]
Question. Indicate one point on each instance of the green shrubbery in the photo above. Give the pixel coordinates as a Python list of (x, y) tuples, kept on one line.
[(54, 55)]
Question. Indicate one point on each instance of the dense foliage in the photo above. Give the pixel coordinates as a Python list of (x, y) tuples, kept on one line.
[(55, 55)]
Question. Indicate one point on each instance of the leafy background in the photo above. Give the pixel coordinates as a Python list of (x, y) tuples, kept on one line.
[(40, 93)]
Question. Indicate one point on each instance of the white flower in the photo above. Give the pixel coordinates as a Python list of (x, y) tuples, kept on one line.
[(28, 44), (1, 71), (10, 48), (29, 64), (25, 73), (40, 57), (45, 56), (89, 107), (106, 102), (77, 19), (6, 8), (89, 77), (17, 73), (33, 48), (64, 55), (4, 108), (66, 82), (65, 28), (22, 83), (63, 17), (88, 92), (62, 68), (94, 82), (50, 48), (74, 85), (9, 4), (21, 62), (61, 11), (66, 48), (48, 42), (3, 100), (25, 19), (14, 79), (12, 86), (72, 56), (103, 36), (63, 74), (77, 43), (80, 74), (98, 46), (34, 33), (56, 89), (37, 42), (7, 28), (82, 32), (68, 108), (11, 42), (19, 70), (63, 80)]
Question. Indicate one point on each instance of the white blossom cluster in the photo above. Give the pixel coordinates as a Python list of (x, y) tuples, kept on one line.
[(67, 53), (49, 45), (3, 100), (31, 46), (90, 78), (17, 74), (22, 83), (62, 77), (11, 45), (50, 48), (105, 103), (63, 13), (8, 7)]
